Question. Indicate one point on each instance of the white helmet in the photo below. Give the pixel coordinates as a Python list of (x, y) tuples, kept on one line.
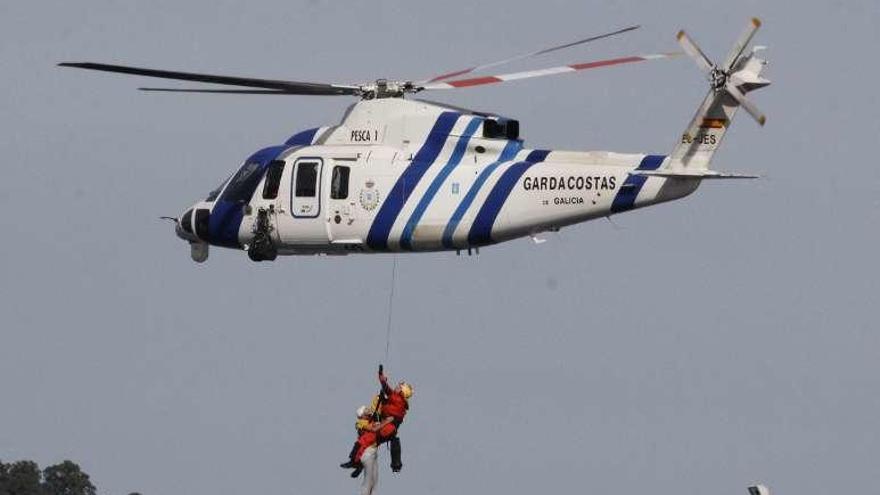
[(362, 411)]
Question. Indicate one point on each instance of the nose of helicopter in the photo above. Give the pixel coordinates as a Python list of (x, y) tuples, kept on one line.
[(193, 224), (192, 227)]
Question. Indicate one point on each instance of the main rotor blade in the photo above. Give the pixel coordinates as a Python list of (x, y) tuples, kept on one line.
[(478, 81), (744, 102), (744, 39), (528, 55), (289, 87), (694, 51), (217, 91)]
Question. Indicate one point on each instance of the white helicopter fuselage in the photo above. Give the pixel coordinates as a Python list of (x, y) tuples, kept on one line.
[(404, 175), (399, 175)]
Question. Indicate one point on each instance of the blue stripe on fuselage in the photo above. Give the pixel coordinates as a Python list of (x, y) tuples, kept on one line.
[(303, 138), (377, 238), (481, 230), (537, 156), (629, 191), (508, 153), (425, 201), (651, 162)]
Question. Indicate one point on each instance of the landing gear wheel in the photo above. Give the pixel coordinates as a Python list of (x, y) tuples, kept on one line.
[(262, 249), (254, 255)]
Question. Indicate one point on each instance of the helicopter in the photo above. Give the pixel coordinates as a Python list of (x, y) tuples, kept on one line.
[(402, 174)]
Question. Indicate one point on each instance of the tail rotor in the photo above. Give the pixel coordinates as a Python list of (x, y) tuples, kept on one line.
[(738, 75)]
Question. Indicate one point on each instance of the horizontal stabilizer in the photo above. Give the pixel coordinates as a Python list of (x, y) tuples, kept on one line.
[(693, 174)]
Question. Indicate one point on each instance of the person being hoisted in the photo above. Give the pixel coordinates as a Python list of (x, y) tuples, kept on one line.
[(389, 409), (368, 439)]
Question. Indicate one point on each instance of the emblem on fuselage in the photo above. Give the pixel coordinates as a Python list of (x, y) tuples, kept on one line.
[(369, 196)]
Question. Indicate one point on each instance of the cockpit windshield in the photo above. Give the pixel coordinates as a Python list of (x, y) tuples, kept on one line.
[(243, 183), (216, 191)]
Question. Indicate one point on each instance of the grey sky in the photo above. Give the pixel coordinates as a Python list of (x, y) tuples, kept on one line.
[(700, 346)]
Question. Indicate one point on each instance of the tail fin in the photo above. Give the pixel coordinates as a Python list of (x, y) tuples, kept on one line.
[(729, 84)]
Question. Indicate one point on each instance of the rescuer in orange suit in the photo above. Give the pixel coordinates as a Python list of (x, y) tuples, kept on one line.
[(390, 408)]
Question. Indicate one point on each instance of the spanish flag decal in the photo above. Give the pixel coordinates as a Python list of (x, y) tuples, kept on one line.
[(713, 124)]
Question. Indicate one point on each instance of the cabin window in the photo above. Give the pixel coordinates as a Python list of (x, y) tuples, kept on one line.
[(306, 179), (273, 179), (339, 182)]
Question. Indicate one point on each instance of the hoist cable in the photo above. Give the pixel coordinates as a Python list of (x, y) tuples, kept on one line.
[(388, 332), (390, 310)]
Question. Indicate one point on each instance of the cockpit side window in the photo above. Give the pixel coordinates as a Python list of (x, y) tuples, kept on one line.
[(273, 179), (242, 185)]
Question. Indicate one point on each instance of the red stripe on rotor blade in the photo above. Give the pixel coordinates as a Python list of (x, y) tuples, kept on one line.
[(463, 83), (451, 74), (605, 63)]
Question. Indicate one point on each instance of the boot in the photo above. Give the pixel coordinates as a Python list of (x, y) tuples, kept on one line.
[(357, 471), (350, 462), (394, 446)]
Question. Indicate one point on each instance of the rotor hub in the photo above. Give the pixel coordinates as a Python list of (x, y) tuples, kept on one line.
[(718, 78), (383, 88)]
